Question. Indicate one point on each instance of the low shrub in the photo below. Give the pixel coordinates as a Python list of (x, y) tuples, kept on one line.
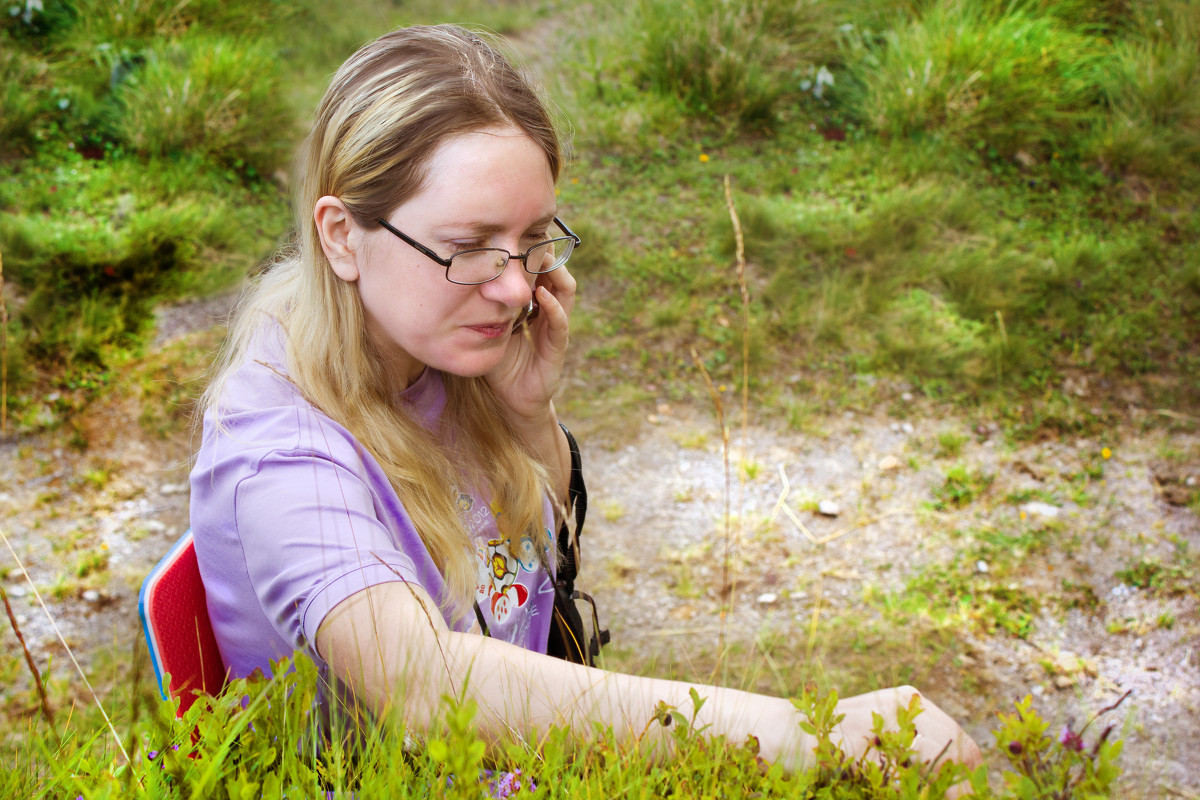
[(207, 95), (1152, 90), (734, 62), (1000, 80)]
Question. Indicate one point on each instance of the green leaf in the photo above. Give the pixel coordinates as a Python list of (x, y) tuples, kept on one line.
[(438, 751)]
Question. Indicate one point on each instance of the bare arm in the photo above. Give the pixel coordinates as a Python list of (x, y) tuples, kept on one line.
[(414, 660)]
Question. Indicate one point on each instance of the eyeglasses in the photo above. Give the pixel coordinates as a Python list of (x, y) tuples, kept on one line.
[(480, 265)]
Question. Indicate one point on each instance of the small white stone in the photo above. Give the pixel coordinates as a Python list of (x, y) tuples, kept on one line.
[(1191, 481), (889, 463), (907, 427), (91, 596), (684, 466), (895, 426), (1036, 509), (829, 508), (768, 598), (17, 591), (173, 488), (154, 525), (907, 397), (981, 566), (1038, 691)]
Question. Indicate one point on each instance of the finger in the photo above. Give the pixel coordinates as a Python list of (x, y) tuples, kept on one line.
[(562, 284), (553, 321)]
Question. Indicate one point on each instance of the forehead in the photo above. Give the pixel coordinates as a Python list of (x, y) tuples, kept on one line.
[(494, 176)]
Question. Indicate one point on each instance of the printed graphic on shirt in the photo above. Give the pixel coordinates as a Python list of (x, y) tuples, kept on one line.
[(509, 568), (499, 586)]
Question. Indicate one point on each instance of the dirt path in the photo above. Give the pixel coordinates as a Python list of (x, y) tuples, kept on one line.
[(1061, 522), (658, 554)]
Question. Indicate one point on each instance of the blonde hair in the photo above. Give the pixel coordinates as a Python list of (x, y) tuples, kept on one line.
[(385, 113)]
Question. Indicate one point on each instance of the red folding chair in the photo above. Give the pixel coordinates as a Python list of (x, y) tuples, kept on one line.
[(175, 619)]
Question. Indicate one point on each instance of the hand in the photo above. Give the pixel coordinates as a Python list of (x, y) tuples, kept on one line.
[(528, 376), (939, 739)]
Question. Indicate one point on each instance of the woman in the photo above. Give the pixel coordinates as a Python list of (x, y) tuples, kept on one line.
[(382, 464)]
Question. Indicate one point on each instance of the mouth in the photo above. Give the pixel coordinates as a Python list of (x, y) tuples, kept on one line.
[(491, 330)]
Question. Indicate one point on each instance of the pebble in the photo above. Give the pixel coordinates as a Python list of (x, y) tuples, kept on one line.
[(907, 397), (907, 427), (767, 599), (829, 508), (154, 525), (173, 488), (1036, 509), (895, 426), (1038, 690), (91, 596), (889, 463), (981, 566), (17, 591)]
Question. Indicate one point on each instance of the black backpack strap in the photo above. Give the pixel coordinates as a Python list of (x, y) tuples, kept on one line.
[(568, 638), (568, 545)]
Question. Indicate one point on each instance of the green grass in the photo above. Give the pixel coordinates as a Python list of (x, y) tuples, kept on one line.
[(255, 739)]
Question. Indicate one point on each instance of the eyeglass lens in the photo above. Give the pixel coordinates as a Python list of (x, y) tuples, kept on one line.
[(480, 266)]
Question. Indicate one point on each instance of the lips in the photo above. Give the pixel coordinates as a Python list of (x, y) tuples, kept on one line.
[(491, 330)]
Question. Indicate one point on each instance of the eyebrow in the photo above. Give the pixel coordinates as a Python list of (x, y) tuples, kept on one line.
[(486, 228)]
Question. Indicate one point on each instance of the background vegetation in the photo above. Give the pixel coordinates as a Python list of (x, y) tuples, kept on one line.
[(993, 201), (981, 197)]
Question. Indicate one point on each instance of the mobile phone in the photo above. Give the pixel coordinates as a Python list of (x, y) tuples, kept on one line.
[(528, 314)]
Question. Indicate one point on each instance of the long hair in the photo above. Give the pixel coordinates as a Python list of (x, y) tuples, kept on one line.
[(384, 115)]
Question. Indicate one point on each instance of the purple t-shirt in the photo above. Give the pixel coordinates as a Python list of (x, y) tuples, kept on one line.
[(291, 516)]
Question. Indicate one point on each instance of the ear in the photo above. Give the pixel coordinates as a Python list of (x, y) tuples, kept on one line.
[(336, 230)]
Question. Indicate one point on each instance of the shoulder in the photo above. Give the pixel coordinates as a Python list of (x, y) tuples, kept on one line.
[(260, 412)]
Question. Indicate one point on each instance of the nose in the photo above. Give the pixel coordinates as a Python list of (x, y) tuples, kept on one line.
[(514, 287)]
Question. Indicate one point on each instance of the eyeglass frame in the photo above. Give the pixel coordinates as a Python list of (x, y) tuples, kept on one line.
[(446, 262)]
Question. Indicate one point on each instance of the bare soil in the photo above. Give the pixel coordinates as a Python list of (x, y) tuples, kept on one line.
[(663, 565)]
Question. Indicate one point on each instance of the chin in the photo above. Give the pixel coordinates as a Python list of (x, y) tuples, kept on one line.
[(468, 367)]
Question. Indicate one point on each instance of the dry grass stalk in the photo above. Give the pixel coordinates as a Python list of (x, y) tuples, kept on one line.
[(744, 292), (743, 289), (44, 701), (67, 647)]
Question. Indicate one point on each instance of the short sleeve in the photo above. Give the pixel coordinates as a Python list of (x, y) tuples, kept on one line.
[(313, 536)]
